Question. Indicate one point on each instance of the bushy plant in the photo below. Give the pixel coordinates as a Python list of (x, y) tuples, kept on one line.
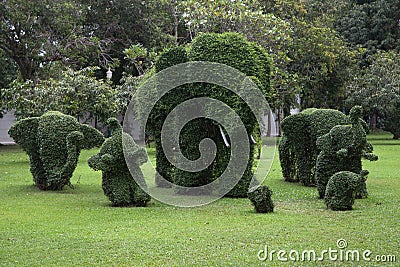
[(261, 199), (118, 183), (298, 144), (235, 51), (342, 150), (341, 189), (53, 142)]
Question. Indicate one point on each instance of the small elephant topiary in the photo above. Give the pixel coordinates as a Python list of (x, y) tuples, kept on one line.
[(342, 149), (118, 183), (341, 189), (261, 199), (53, 143)]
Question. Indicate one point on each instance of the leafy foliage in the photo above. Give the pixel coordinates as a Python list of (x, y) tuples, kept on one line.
[(298, 144), (233, 50), (261, 199), (118, 184), (53, 143), (341, 189), (377, 89), (75, 93), (342, 150)]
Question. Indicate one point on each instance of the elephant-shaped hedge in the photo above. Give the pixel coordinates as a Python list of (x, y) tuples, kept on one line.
[(298, 151), (118, 184), (53, 143), (342, 149), (341, 189)]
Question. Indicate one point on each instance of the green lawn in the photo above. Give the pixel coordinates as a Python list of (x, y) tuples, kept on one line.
[(77, 227)]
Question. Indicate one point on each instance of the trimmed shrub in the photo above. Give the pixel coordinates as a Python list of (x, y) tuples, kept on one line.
[(341, 189), (53, 142), (287, 160), (261, 199), (300, 133), (118, 184), (342, 149), (235, 51)]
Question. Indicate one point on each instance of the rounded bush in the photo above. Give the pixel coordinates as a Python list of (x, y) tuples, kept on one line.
[(341, 189), (261, 199), (53, 142), (118, 184)]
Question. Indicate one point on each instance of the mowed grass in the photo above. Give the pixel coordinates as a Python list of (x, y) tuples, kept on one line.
[(77, 227)]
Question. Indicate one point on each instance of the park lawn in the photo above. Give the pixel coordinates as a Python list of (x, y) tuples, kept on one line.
[(77, 227)]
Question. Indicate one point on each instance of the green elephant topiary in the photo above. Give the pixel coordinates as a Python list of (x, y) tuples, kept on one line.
[(341, 189), (118, 184), (261, 199), (233, 50), (298, 150), (342, 149), (53, 143)]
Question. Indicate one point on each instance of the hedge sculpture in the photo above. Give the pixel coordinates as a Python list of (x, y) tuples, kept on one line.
[(233, 50), (118, 184), (297, 149), (300, 132), (53, 143), (341, 189), (261, 199), (342, 150)]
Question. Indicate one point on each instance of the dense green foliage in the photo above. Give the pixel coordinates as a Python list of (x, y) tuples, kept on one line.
[(261, 199), (298, 148), (75, 93), (168, 58), (233, 50), (342, 149), (377, 89), (53, 143), (118, 183), (341, 189)]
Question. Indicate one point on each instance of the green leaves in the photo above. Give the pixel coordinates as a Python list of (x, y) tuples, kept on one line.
[(76, 93)]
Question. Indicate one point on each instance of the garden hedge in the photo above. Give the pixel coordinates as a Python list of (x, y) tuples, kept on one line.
[(53, 142), (342, 149), (118, 184), (341, 189), (235, 51), (261, 199)]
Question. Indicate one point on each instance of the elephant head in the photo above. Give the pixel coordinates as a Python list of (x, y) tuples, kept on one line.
[(53, 142)]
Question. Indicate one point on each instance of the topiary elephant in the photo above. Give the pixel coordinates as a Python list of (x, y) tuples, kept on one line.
[(297, 149), (342, 149), (341, 189), (118, 184), (53, 143)]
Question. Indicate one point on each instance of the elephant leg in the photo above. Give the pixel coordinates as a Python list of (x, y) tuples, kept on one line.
[(326, 167), (286, 160)]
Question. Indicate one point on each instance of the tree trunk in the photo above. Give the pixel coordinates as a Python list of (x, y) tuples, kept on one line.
[(396, 136), (373, 122)]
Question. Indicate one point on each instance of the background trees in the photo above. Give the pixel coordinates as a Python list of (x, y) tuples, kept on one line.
[(377, 89), (314, 44)]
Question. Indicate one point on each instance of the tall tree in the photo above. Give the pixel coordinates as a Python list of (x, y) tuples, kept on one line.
[(37, 34), (377, 89), (374, 24)]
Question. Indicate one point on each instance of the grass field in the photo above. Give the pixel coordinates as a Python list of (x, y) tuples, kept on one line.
[(77, 227)]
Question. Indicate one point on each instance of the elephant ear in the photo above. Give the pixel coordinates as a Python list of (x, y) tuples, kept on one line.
[(92, 137), (25, 132)]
